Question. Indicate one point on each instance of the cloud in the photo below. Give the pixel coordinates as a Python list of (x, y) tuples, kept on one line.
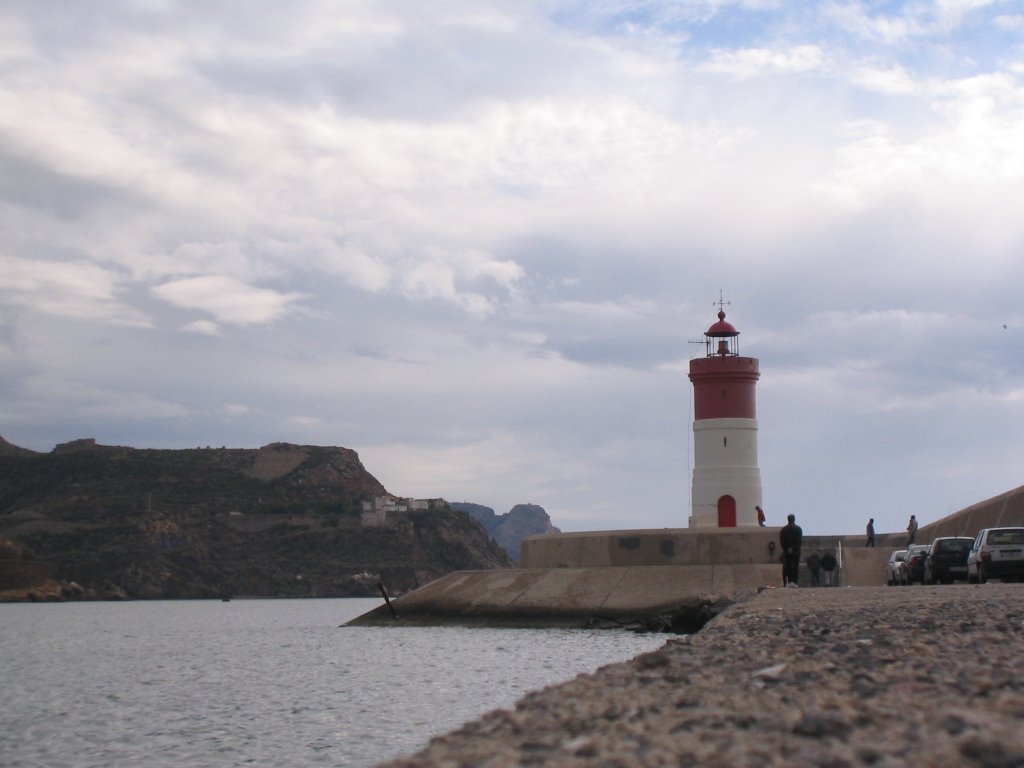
[(971, 143), (436, 280), (79, 290), (354, 264), (203, 258), (953, 13), (890, 29), (94, 405), (1011, 22), (440, 275), (505, 274), (204, 327), (893, 80), (228, 300), (752, 62)]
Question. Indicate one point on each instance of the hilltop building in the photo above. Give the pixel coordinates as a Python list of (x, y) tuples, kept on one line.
[(379, 511)]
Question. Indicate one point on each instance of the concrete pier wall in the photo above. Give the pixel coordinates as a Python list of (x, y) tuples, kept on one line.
[(1007, 509), (862, 566), (684, 546), (662, 546)]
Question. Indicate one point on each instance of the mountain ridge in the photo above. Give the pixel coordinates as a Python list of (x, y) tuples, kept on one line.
[(282, 520), (509, 529)]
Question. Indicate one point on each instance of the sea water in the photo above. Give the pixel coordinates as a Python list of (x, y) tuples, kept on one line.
[(260, 682)]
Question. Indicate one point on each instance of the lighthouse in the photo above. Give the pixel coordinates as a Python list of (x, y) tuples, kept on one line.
[(726, 487)]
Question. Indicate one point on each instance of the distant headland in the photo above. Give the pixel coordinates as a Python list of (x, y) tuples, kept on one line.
[(91, 521)]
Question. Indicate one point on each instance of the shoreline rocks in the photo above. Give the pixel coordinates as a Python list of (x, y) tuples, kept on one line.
[(870, 676)]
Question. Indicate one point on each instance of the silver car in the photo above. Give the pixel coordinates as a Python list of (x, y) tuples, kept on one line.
[(894, 568), (996, 553)]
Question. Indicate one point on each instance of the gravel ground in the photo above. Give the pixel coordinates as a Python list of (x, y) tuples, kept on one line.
[(910, 676)]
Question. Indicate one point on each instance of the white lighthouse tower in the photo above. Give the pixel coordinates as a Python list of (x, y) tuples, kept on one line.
[(726, 480)]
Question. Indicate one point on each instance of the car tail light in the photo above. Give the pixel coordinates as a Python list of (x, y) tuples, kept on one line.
[(986, 556)]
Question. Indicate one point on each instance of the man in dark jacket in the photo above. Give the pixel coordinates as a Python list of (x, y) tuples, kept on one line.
[(791, 536), (828, 564), (814, 566)]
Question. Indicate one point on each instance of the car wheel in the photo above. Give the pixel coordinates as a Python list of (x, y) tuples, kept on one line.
[(982, 578)]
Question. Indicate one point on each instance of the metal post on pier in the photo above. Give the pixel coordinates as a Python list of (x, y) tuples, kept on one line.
[(387, 600)]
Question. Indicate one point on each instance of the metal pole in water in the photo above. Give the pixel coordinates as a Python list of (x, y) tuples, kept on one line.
[(387, 600)]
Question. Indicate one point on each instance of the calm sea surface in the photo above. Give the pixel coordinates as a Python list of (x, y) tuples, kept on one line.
[(259, 682)]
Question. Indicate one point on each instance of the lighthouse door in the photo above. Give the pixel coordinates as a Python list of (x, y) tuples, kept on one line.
[(727, 512)]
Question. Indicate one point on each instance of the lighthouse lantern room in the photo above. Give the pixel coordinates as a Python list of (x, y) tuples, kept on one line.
[(726, 489)]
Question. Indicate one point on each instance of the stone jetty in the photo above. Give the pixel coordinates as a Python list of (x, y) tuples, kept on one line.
[(681, 598), (856, 676)]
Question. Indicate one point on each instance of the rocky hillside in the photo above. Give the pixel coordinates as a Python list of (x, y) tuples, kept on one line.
[(283, 520), (511, 528)]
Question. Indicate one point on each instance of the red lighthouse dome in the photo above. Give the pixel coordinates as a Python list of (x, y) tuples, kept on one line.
[(723, 382), (721, 328)]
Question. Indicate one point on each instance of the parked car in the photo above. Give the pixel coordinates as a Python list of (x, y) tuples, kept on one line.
[(947, 559), (913, 567), (894, 568), (996, 553)]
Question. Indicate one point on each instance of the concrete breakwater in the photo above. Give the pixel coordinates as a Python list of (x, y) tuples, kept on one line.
[(928, 676), (677, 598)]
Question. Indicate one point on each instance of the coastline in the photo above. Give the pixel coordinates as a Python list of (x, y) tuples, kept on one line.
[(929, 676)]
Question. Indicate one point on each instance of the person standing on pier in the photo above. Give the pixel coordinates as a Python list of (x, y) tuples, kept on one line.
[(814, 566), (760, 516), (828, 564), (870, 530), (791, 537)]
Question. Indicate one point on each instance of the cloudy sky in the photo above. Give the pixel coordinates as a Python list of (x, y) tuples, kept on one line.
[(473, 241)]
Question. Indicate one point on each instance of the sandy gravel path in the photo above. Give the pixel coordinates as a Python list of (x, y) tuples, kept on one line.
[(871, 676)]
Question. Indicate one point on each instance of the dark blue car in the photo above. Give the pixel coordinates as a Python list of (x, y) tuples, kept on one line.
[(947, 560)]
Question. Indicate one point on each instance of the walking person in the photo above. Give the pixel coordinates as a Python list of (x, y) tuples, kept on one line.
[(791, 536), (870, 530), (828, 564), (760, 516), (911, 530)]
